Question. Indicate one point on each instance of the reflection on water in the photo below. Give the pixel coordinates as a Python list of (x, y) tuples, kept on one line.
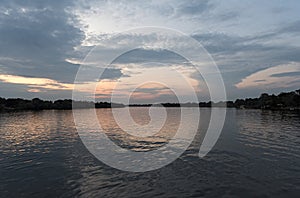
[(257, 154), (141, 116)]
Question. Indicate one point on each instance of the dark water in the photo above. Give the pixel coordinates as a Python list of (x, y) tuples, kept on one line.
[(258, 154)]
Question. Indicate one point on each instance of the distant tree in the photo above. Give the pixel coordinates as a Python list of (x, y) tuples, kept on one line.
[(265, 101), (239, 103), (2, 104), (230, 104), (62, 104), (37, 104), (264, 95), (287, 100)]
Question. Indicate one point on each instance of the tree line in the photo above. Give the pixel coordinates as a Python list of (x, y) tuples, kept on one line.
[(285, 100), (38, 104), (282, 101)]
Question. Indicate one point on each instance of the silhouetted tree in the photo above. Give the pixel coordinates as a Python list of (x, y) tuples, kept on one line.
[(289, 100)]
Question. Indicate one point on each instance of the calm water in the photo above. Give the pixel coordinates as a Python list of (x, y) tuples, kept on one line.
[(258, 154)]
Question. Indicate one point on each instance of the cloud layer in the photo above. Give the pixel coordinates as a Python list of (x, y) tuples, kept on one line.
[(42, 43), (285, 76)]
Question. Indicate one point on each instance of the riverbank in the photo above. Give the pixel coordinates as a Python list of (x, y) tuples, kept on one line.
[(284, 101)]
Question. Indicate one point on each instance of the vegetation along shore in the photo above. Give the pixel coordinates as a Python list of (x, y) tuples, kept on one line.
[(282, 101)]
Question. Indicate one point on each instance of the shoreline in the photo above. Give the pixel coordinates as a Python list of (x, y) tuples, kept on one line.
[(142, 106), (283, 101)]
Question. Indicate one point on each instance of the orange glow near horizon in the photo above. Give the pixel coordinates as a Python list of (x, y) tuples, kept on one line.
[(133, 86), (36, 82)]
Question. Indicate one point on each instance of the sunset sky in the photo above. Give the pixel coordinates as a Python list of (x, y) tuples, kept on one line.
[(255, 44)]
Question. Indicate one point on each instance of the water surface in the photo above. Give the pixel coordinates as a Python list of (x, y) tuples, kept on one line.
[(258, 154)]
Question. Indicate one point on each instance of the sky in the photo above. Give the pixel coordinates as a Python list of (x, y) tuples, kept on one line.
[(255, 45)]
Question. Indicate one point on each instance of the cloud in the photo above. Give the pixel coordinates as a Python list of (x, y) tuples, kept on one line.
[(34, 90), (148, 56), (193, 8), (281, 76), (238, 57), (49, 39), (44, 83), (286, 74), (34, 83), (293, 27), (37, 37)]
